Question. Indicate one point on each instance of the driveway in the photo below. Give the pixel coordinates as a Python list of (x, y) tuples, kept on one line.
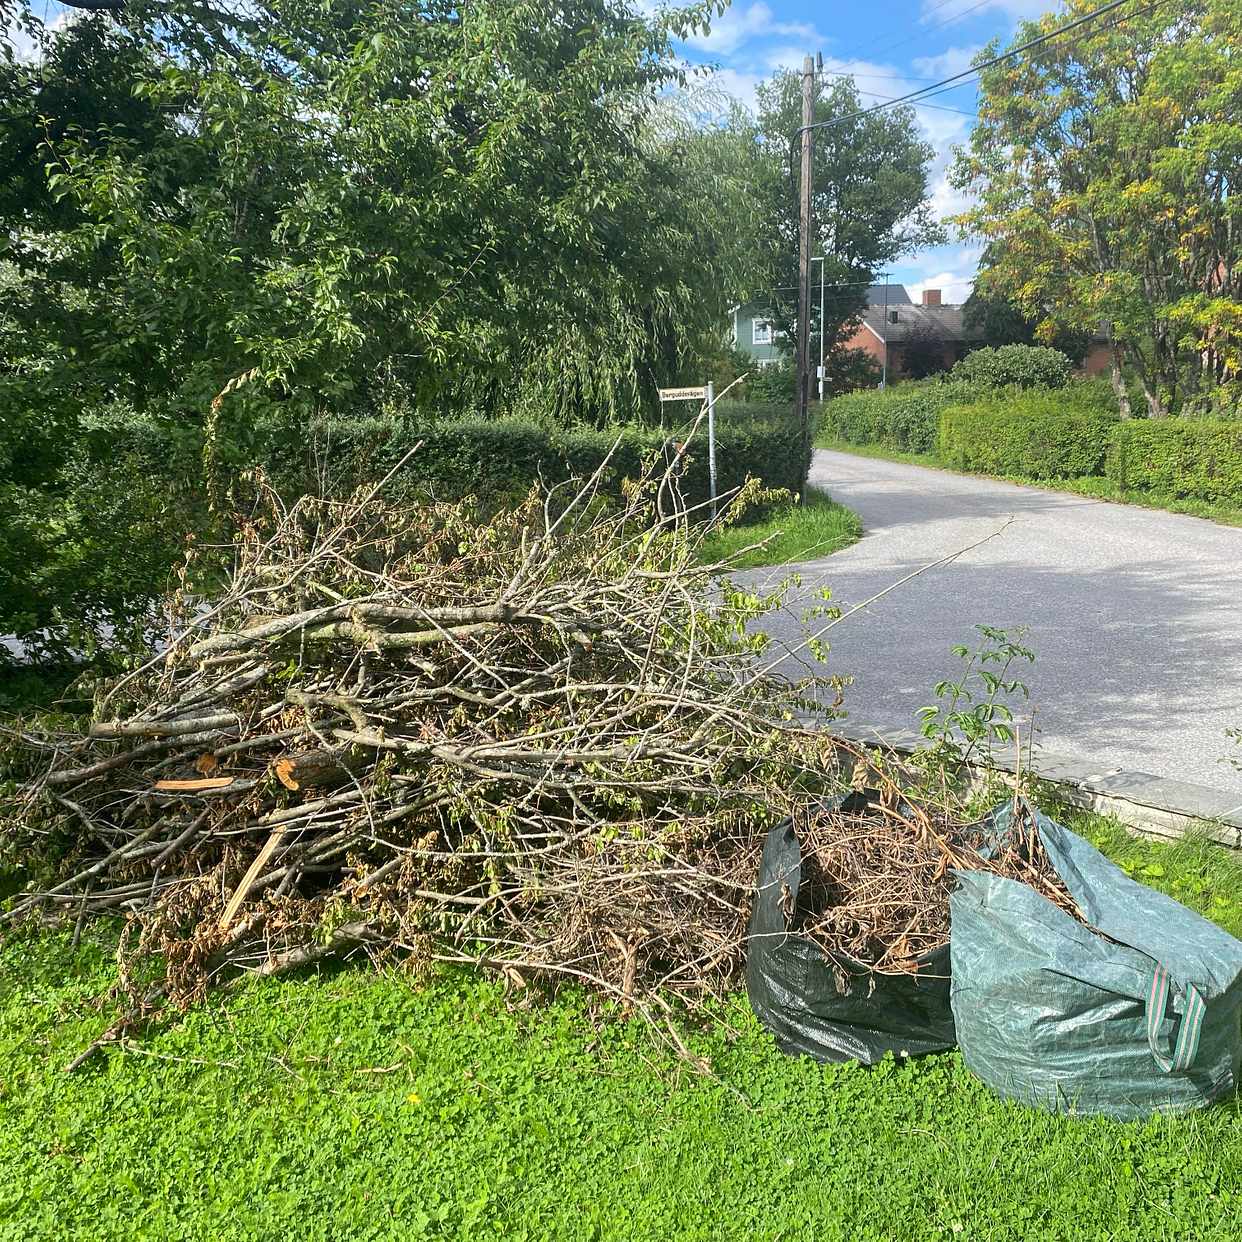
[(1135, 615)]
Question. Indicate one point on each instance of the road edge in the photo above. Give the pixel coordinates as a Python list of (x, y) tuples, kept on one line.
[(1151, 805)]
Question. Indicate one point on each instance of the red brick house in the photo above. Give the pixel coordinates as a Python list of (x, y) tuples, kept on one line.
[(892, 323)]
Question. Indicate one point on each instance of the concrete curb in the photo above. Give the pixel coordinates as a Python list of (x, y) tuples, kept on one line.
[(1151, 805)]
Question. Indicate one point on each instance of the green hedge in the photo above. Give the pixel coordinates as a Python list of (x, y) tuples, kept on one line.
[(1039, 435), (903, 418), (90, 525), (502, 458), (1184, 457), (90, 536)]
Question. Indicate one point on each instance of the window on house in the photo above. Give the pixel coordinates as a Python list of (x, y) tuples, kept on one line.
[(761, 332), (892, 317)]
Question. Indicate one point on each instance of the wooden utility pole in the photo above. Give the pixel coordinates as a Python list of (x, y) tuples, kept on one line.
[(804, 258)]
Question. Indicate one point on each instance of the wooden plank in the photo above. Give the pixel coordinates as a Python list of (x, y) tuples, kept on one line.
[(195, 786)]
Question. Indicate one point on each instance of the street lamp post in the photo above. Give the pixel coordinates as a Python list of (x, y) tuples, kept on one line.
[(820, 260)]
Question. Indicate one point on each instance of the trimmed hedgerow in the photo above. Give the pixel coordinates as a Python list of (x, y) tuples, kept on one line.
[(1184, 457), (1020, 366), (90, 532), (903, 418), (1038, 435), (502, 458)]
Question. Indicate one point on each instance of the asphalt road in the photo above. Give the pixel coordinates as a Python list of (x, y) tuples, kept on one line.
[(1135, 615)]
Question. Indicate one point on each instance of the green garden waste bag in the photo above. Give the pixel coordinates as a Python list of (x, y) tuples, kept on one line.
[(834, 1011), (1139, 1013)]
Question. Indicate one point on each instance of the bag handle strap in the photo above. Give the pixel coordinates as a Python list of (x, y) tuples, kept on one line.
[(1186, 1044)]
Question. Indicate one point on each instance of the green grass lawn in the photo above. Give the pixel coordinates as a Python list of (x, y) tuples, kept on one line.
[(352, 1104), (1100, 489), (796, 532)]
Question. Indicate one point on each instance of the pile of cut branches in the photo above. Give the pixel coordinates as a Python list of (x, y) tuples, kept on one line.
[(540, 741)]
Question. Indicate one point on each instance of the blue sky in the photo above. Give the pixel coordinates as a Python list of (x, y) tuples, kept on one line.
[(891, 47)]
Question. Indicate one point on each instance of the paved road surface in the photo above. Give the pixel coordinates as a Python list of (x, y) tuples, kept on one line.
[(1135, 615)]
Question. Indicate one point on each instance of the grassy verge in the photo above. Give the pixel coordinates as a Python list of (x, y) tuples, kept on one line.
[(1100, 489), (1199, 874), (796, 532), (353, 1105), (1106, 489), (881, 453)]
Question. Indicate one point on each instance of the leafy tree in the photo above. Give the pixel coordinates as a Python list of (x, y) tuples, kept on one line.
[(775, 384), (1106, 169), (479, 205), (923, 352), (999, 320), (218, 220), (869, 196), (846, 370)]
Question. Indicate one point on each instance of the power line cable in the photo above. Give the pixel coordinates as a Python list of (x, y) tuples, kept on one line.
[(880, 45), (946, 84), (936, 107), (975, 70), (879, 77), (882, 48)]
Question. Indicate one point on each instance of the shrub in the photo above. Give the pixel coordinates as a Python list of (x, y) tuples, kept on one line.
[(1022, 366), (847, 370), (500, 459), (91, 523), (1199, 458), (903, 418), (774, 385), (90, 530), (1038, 435)]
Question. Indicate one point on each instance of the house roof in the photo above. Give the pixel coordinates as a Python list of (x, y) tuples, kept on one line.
[(896, 295), (944, 321), (877, 295)]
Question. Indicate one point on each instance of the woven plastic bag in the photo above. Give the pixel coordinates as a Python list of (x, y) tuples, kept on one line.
[(1139, 1012)]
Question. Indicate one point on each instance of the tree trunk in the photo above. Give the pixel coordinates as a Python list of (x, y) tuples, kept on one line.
[(1118, 380), (1155, 408), (1148, 372)]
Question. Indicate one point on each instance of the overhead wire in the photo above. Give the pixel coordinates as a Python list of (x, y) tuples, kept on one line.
[(883, 48), (936, 107), (975, 70), (946, 84)]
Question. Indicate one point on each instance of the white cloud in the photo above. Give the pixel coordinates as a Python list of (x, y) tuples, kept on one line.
[(946, 64), (954, 287), (951, 269), (783, 56), (741, 86), (742, 24)]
